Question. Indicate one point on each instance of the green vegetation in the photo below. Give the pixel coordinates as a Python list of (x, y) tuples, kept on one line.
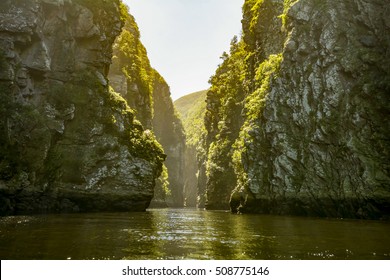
[(124, 12), (286, 6), (254, 106), (251, 9), (191, 109), (162, 189), (130, 59), (67, 140), (285, 124), (236, 100), (264, 73), (186, 104), (227, 90), (142, 142), (146, 91), (222, 121)]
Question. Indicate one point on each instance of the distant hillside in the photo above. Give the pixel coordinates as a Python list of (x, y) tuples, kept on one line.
[(188, 102)]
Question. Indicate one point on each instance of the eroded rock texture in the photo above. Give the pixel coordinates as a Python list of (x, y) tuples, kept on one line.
[(68, 143), (315, 134)]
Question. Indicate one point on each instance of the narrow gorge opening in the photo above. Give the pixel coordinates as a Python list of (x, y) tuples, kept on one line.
[(266, 135)]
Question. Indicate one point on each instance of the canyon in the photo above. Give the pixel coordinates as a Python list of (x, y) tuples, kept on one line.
[(295, 122)]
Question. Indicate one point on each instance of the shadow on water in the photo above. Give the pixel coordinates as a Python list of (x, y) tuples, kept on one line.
[(190, 234)]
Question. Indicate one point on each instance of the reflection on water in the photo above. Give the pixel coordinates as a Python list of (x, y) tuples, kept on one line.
[(190, 234)]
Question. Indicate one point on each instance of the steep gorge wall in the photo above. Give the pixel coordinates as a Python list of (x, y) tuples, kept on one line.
[(313, 91), (192, 108), (169, 131), (146, 91), (68, 143)]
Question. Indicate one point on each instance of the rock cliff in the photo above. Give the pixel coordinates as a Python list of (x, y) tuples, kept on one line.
[(147, 92), (301, 108), (169, 131), (67, 142)]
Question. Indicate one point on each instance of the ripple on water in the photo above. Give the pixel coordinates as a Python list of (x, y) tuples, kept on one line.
[(190, 234)]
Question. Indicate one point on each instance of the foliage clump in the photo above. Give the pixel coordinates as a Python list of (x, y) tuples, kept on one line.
[(254, 105), (224, 104), (286, 6)]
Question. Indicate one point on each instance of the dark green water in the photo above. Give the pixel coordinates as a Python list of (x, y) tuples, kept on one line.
[(190, 234)]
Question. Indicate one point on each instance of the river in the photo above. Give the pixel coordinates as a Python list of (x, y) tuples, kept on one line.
[(190, 234)]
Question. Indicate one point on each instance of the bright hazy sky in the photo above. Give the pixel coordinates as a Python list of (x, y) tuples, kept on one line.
[(185, 38)]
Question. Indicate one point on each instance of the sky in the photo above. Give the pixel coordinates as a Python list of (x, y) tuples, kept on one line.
[(186, 38)]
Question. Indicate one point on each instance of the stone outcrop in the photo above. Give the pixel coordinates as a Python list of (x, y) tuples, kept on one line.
[(68, 143), (147, 92), (315, 133)]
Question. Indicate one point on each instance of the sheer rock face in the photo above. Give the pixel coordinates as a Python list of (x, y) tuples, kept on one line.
[(320, 145), (67, 142), (316, 141)]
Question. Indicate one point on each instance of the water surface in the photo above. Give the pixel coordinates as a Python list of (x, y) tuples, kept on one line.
[(190, 234)]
